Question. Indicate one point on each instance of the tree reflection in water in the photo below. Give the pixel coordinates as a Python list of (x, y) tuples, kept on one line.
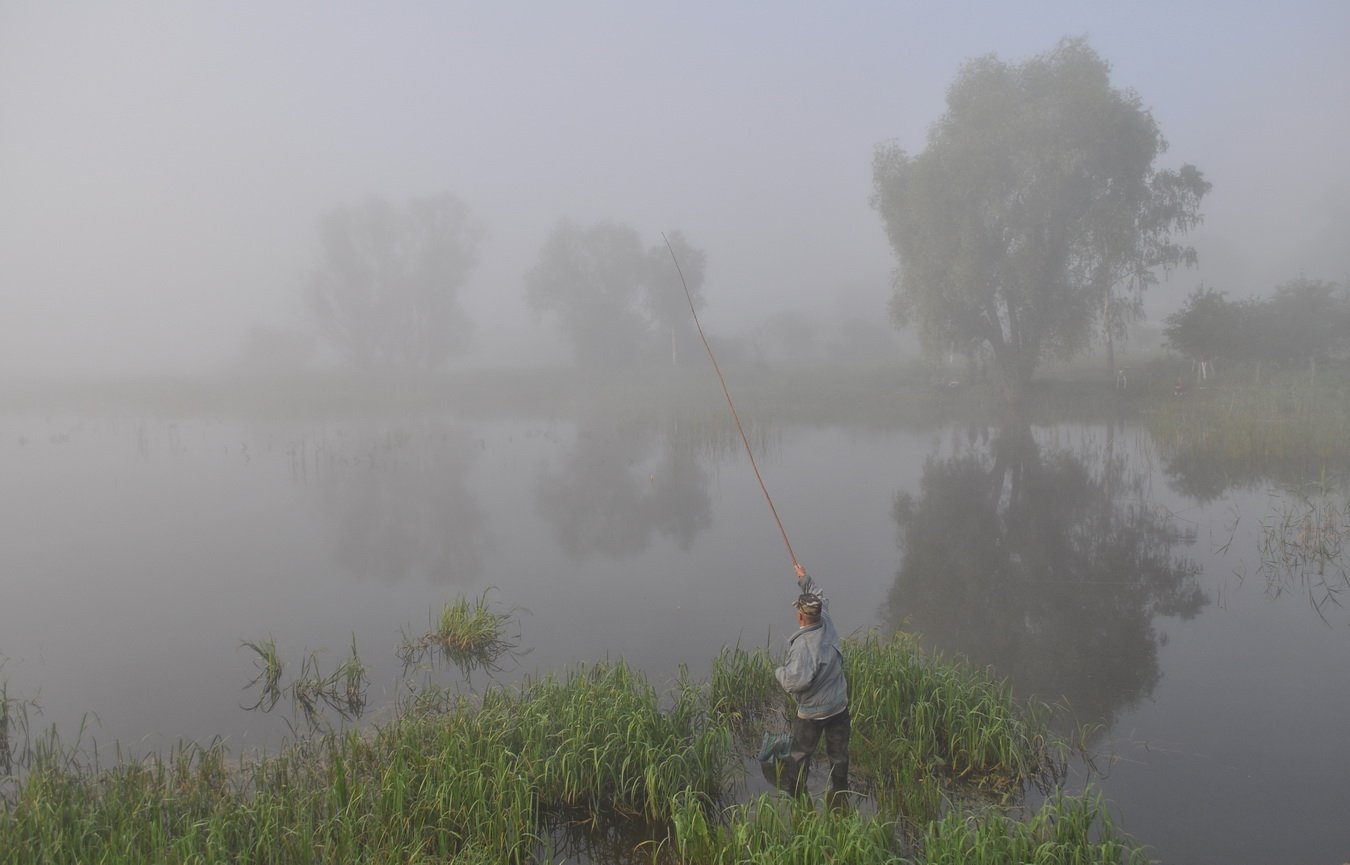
[(620, 486), (1047, 563), (400, 498)]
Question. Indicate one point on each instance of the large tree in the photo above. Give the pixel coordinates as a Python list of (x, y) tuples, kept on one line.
[(1035, 218), (385, 292), (618, 302)]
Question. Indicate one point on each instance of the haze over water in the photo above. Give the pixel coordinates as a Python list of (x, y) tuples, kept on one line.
[(145, 551)]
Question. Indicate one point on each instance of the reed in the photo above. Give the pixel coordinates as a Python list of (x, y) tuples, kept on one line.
[(742, 690), (944, 718), (1302, 545), (924, 729), (474, 783), (1066, 830), (1284, 424), (268, 663), (13, 722), (770, 830), (468, 634), (488, 778), (343, 690)]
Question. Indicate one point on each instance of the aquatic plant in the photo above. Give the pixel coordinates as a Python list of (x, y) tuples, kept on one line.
[(269, 666), (343, 690), (1302, 543), (1066, 830), (473, 784), (491, 777), (924, 729), (742, 689), (771, 830), (468, 634)]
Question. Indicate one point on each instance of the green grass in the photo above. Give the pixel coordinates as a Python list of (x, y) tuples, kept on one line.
[(924, 730), (1285, 419), (469, 634), (489, 778), (1066, 830), (343, 689)]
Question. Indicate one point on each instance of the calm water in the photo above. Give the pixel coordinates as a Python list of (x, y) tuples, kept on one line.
[(1080, 560)]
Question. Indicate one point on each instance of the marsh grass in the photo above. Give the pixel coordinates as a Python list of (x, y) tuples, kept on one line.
[(595, 757), (1284, 424), (269, 665), (471, 635), (1302, 545), (770, 830), (342, 690), (13, 726), (925, 730), (1066, 830)]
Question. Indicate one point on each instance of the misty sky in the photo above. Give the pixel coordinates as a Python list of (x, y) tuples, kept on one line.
[(163, 165)]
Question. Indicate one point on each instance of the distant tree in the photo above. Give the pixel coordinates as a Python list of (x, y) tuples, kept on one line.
[(664, 295), (1035, 216), (1307, 320), (1210, 328), (385, 292), (617, 302), (1304, 321)]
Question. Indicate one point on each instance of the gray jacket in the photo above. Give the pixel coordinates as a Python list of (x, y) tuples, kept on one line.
[(813, 671)]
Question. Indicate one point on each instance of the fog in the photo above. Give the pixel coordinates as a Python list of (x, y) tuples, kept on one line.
[(163, 167)]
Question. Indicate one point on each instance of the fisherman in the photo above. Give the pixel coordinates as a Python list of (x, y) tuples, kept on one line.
[(813, 673)]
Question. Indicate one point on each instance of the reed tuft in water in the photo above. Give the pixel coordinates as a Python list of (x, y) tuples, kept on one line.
[(468, 634)]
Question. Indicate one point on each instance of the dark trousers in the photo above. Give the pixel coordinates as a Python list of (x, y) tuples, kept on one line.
[(806, 735)]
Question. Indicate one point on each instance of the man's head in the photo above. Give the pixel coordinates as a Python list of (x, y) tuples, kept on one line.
[(808, 609)]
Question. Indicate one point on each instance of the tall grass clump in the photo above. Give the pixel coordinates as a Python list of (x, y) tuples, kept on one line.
[(742, 689), (598, 739), (13, 729), (778, 831), (475, 782), (469, 634), (343, 689), (1066, 830), (914, 711), (924, 729)]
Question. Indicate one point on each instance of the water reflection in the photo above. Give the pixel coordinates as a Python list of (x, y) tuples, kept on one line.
[(1206, 471), (618, 486), (400, 498), (1046, 562)]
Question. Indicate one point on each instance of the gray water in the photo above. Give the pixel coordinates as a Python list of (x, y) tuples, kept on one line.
[(1081, 561)]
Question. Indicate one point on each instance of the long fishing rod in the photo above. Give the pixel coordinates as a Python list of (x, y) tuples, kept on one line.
[(734, 416)]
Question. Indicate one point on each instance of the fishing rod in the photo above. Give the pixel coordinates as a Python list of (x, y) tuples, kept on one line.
[(734, 415)]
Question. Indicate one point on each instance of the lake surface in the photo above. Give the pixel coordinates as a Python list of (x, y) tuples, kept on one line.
[(1180, 613)]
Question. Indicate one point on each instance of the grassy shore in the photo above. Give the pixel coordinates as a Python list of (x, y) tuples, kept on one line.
[(941, 756)]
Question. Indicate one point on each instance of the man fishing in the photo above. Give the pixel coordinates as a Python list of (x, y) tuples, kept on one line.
[(813, 673)]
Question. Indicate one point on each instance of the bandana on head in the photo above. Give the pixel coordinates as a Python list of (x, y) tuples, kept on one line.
[(809, 604)]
